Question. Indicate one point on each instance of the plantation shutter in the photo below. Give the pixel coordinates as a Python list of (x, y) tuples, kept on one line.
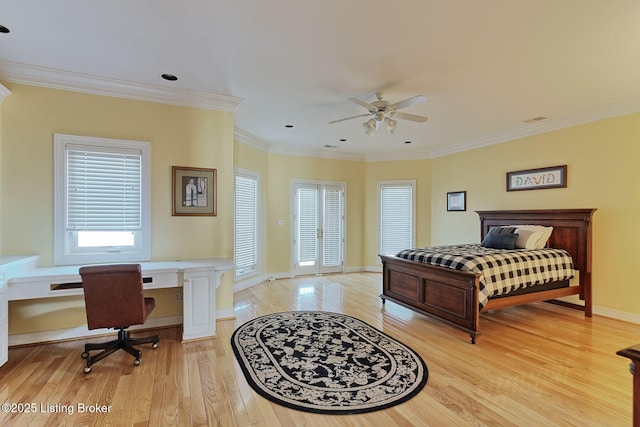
[(396, 217), (246, 224), (103, 189)]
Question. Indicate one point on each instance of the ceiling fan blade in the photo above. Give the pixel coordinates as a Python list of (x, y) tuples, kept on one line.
[(410, 101), (349, 118), (371, 108), (411, 117)]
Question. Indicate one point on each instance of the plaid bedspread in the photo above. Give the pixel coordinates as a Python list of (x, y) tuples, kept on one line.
[(502, 271)]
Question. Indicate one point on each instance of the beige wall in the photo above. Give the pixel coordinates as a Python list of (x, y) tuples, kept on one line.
[(178, 135), (282, 170), (418, 170), (602, 159)]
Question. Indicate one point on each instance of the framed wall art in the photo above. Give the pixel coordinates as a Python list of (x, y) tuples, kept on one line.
[(457, 201), (194, 191), (536, 179)]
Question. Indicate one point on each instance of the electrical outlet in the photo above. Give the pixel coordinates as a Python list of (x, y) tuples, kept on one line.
[(178, 296)]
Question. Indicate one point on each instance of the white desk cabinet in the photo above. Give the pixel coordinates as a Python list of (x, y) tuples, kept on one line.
[(199, 301), (10, 266), (199, 279)]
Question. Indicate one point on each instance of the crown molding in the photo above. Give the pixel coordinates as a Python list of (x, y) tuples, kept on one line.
[(58, 79), (327, 153), (251, 140), (549, 125), (398, 156), (4, 92)]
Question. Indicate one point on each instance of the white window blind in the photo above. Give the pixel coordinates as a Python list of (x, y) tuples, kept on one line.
[(104, 190), (102, 203), (332, 226), (396, 216), (307, 225), (246, 224)]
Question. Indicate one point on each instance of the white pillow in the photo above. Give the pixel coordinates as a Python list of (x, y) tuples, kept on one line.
[(532, 236), (527, 239)]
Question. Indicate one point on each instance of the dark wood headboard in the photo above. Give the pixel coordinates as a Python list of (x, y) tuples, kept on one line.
[(571, 230)]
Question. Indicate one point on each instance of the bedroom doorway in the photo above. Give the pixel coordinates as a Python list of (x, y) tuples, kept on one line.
[(318, 227)]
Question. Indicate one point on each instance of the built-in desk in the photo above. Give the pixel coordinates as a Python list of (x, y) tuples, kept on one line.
[(199, 278)]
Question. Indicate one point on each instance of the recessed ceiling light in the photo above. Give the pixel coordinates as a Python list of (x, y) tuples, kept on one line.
[(288, 126), (343, 140), (407, 142), (170, 77), (4, 29), (330, 146)]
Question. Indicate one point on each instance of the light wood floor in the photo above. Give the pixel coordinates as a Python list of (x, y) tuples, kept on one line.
[(536, 365)]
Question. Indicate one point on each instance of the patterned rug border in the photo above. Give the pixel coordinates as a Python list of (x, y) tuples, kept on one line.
[(249, 372)]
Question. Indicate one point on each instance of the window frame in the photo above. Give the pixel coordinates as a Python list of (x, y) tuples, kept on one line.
[(65, 249), (396, 183), (256, 270)]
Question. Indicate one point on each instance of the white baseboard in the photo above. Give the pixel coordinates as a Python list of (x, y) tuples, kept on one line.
[(600, 311), (225, 314), (84, 332), (249, 282), (160, 322), (617, 314)]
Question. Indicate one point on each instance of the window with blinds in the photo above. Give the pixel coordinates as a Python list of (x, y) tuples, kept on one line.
[(246, 223), (101, 198), (396, 216)]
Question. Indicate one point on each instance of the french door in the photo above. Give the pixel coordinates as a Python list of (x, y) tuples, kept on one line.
[(318, 227)]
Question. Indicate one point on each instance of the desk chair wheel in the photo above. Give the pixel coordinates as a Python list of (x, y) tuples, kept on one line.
[(85, 355), (136, 362), (154, 346), (86, 369)]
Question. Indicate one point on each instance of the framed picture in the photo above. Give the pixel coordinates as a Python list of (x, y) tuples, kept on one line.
[(537, 179), (194, 191), (457, 201)]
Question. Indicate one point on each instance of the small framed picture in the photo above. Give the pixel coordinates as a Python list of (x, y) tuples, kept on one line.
[(457, 201), (194, 191)]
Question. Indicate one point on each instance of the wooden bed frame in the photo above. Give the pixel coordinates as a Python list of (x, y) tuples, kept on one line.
[(452, 295)]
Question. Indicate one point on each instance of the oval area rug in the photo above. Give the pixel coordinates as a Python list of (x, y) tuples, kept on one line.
[(323, 362)]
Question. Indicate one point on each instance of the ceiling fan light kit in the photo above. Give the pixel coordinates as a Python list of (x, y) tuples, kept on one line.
[(383, 111)]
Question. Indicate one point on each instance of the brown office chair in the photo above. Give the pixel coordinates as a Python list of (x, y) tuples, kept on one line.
[(114, 298)]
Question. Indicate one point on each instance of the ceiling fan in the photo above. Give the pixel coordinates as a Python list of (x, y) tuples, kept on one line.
[(383, 111)]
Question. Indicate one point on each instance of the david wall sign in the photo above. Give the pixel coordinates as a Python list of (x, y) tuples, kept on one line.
[(536, 179)]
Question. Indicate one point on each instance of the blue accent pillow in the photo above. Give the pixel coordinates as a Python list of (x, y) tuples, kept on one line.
[(500, 238)]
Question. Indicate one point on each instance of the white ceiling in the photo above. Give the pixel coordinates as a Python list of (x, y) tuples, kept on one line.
[(485, 66)]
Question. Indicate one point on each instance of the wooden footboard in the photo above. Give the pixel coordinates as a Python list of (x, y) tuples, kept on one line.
[(452, 295), (447, 294)]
